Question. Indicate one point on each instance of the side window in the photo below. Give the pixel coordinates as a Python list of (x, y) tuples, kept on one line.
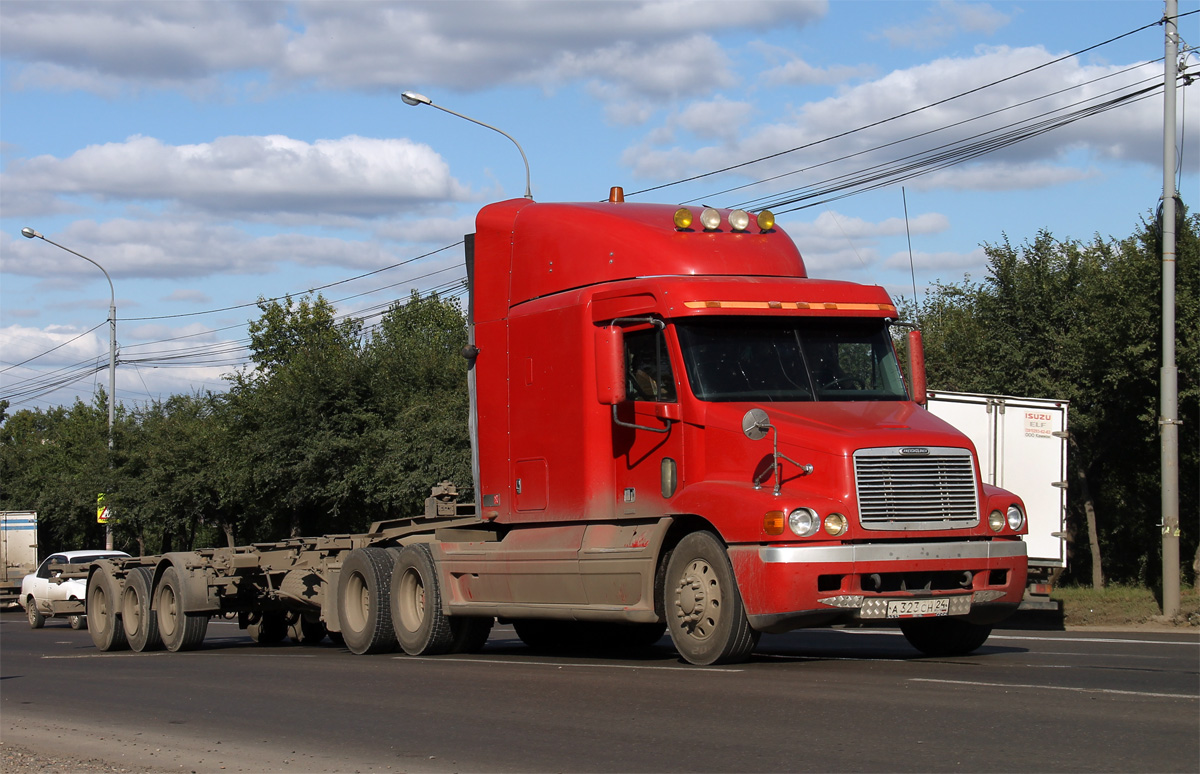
[(52, 564), (648, 373)]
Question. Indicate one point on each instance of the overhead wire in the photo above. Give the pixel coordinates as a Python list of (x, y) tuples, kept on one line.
[(235, 354), (897, 116)]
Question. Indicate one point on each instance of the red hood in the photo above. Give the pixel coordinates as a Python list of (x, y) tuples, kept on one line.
[(838, 428)]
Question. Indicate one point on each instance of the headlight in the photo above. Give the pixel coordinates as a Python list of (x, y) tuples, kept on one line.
[(739, 220), (996, 521), (835, 524), (804, 522), (710, 219), (1016, 519)]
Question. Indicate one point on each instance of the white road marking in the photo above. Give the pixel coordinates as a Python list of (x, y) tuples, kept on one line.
[(560, 665), (1113, 691)]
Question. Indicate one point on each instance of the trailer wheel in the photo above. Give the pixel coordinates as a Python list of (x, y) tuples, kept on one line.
[(944, 636), (468, 634), (36, 619), (180, 630), (421, 626), (103, 606), (364, 609), (305, 630), (703, 607), (269, 628), (137, 613)]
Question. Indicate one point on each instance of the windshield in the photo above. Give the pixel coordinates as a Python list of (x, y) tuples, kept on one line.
[(790, 359)]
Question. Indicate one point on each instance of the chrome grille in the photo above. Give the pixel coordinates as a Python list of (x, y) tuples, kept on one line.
[(916, 488)]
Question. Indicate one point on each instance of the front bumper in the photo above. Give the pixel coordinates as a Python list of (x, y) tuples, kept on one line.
[(793, 586)]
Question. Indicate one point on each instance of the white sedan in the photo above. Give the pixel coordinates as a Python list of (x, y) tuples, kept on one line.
[(59, 587)]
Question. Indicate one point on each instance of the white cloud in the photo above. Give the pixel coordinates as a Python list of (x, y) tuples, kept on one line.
[(937, 262), (92, 46), (20, 343), (945, 21), (720, 118), (188, 296), (789, 69), (170, 248), (895, 130), (240, 177), (647, 48), (836, 244)]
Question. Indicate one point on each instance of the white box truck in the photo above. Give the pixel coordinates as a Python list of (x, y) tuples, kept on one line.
[(1022, 446), (18, 552)]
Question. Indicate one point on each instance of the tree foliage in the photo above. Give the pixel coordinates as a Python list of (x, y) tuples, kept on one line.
[(333, 427), (1082, 322)]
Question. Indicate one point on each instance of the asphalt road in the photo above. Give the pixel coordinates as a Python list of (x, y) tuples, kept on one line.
[(815, 700)]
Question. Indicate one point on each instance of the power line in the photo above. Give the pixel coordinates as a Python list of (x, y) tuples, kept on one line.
[(896, 117)]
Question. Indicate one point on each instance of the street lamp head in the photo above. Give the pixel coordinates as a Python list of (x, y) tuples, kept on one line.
[(413, 98), (29, 233)]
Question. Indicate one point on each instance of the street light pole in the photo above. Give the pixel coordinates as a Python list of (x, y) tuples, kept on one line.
[(414, 99), (29, 233)]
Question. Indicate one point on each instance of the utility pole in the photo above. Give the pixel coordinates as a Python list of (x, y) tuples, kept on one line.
[(1168, 378)]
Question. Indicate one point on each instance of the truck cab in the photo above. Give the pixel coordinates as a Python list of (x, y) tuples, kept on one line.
[(645, 373)]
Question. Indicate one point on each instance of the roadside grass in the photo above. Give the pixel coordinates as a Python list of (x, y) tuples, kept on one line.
[(1120, 605)]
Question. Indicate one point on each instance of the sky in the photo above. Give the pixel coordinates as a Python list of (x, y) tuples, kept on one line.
[(210, 154)]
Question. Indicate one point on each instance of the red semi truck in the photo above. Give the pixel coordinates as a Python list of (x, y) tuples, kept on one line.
[(673, 428)]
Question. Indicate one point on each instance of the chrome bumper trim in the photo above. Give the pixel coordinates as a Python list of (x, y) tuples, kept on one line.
[(891, 552)]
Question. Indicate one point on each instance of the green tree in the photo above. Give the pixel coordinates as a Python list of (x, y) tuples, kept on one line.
[(295, 423), (1082, 322), (56, 461), (418, 388), (169, 495)]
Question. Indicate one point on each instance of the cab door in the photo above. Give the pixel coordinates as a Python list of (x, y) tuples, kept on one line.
[(647, 436)]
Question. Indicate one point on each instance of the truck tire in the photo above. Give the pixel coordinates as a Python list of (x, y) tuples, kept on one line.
[(36, 619), (137, 612), (421, 627), (180, 630), (270, 628), (103, 608), (305, 630), (469, 633), (703, 607), (944, 636), (364, 608)]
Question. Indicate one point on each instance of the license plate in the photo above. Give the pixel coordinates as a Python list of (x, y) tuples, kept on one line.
[(918, 608)]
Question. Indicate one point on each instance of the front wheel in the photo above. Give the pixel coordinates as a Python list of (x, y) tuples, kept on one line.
[(421, 627), (36, 619), (944, 636), (704, 610)]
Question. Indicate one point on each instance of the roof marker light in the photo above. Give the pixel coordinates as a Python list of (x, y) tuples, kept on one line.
[(683, 218), (766, 220)]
